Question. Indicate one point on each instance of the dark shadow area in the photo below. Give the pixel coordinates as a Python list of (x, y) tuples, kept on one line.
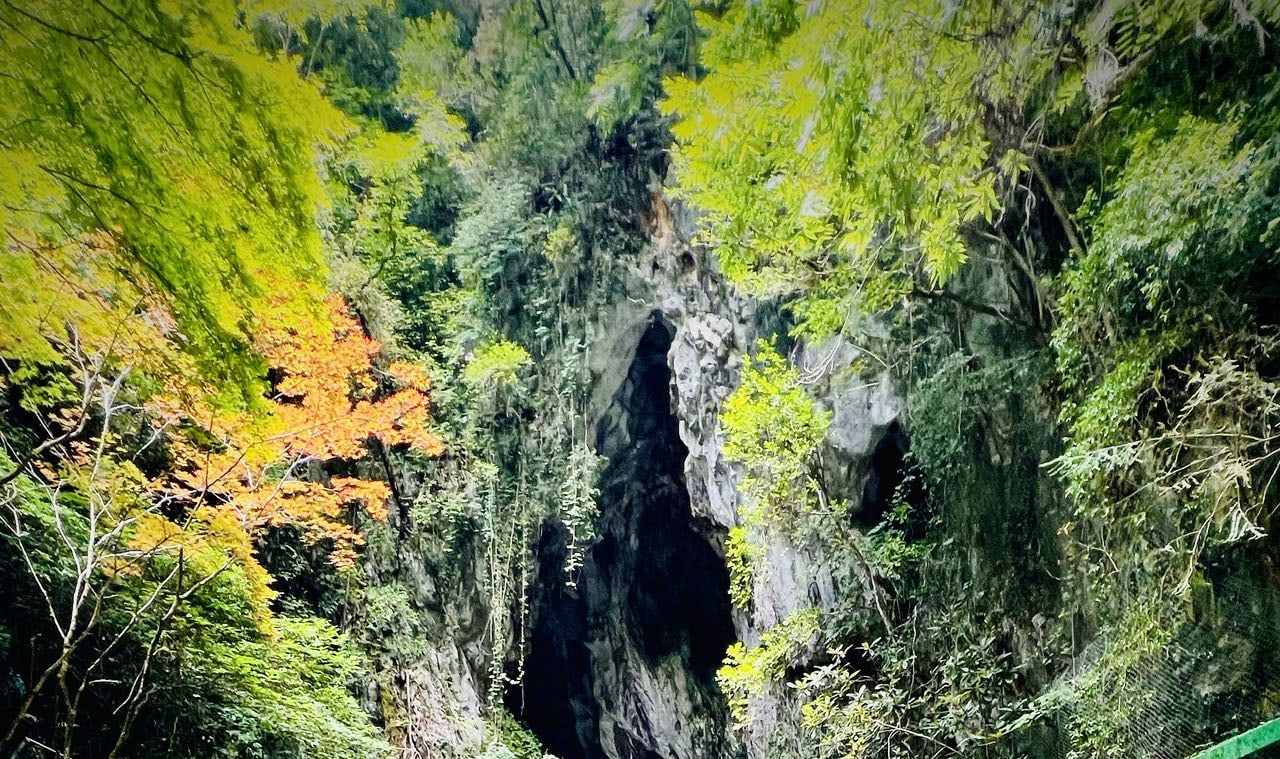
[(654, 582), (557, 699), (887, 473)]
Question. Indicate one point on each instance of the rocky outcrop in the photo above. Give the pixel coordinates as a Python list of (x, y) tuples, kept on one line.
[(620, 663), (429, 697), (648, 705)]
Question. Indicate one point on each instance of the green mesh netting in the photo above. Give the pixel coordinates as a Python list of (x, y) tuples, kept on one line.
[(1215, 677)]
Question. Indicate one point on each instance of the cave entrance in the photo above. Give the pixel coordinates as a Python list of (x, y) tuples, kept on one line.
[(891, 476), (650, 604)]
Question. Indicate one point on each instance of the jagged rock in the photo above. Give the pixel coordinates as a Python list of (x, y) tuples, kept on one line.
[(644, 708), (621, 664)]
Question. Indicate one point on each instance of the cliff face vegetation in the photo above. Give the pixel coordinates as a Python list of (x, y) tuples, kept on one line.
[(646, 378)]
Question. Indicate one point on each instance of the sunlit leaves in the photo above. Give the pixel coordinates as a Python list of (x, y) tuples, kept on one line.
[(296, 12), (739, 559), (616, 95), (159, 127), (432, 78), (495, 364), (71, 300), (836, 149), (774, 429), (748, 672)]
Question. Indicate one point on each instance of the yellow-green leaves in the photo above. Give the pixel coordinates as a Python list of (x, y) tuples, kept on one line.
[(561, 246), (156, 138), (774, 429), (295, 12), (616, 94), (495, 364), (747, 672), (429, 61), (739, 559), (836, 149), (386, 156)]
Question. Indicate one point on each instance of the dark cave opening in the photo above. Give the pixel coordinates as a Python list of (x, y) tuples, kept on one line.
[(655, 582), (891, 475)]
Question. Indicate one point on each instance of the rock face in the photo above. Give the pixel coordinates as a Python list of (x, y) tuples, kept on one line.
[(631, 652), (620, 663), (432, 704)]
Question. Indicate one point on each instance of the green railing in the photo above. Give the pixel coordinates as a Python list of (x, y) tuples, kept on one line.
[(1245, 743)]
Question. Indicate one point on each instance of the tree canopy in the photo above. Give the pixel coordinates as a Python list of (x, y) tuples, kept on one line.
[(305, 316)]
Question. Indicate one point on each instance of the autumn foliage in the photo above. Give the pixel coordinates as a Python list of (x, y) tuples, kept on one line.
[(331, 397), (330, 402)]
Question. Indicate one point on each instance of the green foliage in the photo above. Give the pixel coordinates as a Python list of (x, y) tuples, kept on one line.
[(774, 429), (389, 622), (889, 546), (495, 364), (920, 699), (159, 126), (428, 61), (511, 740), (616, 95), (1102, 700), (353, 53), (221, 675), (748, 672), (981, 426), (391, 197), (1158, 345), (279, 696), (739, 558), (561, 247), (1171, 233), (830, 163), (308, 583), (577, 507)]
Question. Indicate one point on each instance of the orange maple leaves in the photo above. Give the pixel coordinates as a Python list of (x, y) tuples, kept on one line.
[(330, 402), (327, 401)]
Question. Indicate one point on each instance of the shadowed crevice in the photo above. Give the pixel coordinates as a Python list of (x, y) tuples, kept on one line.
[(654, 585)]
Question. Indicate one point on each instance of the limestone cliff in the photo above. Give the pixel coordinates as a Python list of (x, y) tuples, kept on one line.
[(619, 661)]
